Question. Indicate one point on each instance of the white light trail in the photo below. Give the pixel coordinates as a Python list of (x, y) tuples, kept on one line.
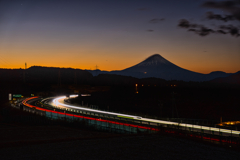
[(59, 104)]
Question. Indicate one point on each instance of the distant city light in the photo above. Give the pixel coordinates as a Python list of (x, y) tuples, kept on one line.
[(229, 123), (10, 96)]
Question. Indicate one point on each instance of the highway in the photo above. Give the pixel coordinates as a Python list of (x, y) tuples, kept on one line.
[(60, 103)]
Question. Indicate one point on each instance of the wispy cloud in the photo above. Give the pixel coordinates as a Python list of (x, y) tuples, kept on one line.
[(230, 6), (150, 30), (156, 20), (226, 18), (204, 31)]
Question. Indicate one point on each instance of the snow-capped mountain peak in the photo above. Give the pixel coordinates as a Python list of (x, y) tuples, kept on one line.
[(155, 59)]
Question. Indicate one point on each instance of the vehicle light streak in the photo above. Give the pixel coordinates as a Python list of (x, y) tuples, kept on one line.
[(126, 124), (206, 128), (84, 117), (57, 103)]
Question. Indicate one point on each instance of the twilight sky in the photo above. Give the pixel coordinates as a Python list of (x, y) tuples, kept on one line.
[(198, 35)]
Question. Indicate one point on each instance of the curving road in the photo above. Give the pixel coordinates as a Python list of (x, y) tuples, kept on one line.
[(59, 103)]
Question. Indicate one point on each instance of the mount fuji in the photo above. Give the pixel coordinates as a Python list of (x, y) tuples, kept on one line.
[(158, 67)]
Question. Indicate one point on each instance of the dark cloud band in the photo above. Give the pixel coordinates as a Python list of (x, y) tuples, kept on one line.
[(156, 20), (211, 16), (232, 7), (204, 31)]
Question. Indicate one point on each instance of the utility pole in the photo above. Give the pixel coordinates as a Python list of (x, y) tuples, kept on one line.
[(96, 70)]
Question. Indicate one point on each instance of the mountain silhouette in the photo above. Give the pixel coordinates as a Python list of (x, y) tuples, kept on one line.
[(159, 67), (232, 79), (154, 63)]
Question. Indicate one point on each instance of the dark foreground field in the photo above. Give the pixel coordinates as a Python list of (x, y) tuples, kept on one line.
[(26, 140), (67, 143)]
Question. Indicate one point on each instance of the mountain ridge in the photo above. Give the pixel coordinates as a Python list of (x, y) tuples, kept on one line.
[(158, 67)]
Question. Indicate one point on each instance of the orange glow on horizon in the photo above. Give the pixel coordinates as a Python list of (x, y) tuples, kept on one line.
[(78, 59), (106, 68)]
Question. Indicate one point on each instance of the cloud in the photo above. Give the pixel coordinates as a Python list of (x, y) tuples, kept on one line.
[(150, 30), (156, 20), (221, 31), (211, 16), (232, 7), (202, 30), (234, 31), (183, 23)]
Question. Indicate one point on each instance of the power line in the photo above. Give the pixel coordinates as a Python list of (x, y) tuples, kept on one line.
[(4, 60), (5, 64)]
